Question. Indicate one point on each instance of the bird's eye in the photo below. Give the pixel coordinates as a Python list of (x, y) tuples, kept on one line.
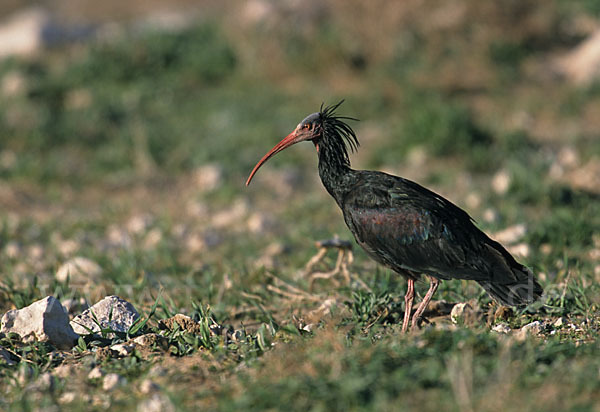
[(307, 126)]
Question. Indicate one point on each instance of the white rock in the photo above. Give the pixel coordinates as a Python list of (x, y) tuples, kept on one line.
[(501, 328), (21, 33), (67, 397), (112, 312), (156, 403), (582, 64), (95, 373), (112, 381), (459, 311), (559, 322), (148, 386), (310, 327), (44, 320), (64, 370), (146, 340), (79, 270), (122, 349), (533, 327)]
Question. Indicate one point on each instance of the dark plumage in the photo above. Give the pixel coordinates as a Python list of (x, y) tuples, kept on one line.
[(405, 226)]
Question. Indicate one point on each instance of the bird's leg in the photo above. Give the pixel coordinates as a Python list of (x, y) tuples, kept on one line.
[(433, 285), (408, 301)]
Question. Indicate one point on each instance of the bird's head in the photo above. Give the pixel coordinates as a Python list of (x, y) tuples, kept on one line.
[(316, 127)]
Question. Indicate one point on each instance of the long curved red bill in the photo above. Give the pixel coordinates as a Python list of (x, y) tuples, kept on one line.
[(289, 140)]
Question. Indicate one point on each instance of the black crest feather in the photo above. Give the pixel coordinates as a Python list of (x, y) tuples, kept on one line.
[(337, 132)]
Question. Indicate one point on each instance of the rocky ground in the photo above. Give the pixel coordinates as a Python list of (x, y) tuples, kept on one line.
[(137, 270)]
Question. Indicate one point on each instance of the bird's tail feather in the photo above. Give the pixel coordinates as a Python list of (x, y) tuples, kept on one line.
[(523, 291)]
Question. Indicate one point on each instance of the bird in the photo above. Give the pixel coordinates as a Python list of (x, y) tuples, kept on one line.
[(404, 226)]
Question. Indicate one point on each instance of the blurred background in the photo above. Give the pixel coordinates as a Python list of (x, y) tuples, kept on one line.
[(127, 132), (127, 129)]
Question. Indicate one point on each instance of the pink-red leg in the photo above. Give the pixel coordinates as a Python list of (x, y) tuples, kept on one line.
[(408, 301), (433, 285)]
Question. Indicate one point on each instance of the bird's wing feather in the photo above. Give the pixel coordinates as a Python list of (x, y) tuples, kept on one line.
[(407, 227)]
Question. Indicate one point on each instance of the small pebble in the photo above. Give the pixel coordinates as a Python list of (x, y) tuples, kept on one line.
[(146, 340), (148, 386), (112, 381), (458, 311), (156, 403), (501, 328), (64, 370), (122, 349), (67, 397), (95, 373), (534, 327)]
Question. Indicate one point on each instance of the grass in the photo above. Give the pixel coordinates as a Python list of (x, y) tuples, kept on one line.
[(103, 152)]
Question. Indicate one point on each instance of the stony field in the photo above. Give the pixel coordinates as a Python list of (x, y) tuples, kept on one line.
[(123, 159)]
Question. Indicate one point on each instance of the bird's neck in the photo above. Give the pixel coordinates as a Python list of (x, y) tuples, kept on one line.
[(334, 170)]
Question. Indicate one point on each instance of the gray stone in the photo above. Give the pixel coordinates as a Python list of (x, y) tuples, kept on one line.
[(45, 320), (122, 349), (112, 312)]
